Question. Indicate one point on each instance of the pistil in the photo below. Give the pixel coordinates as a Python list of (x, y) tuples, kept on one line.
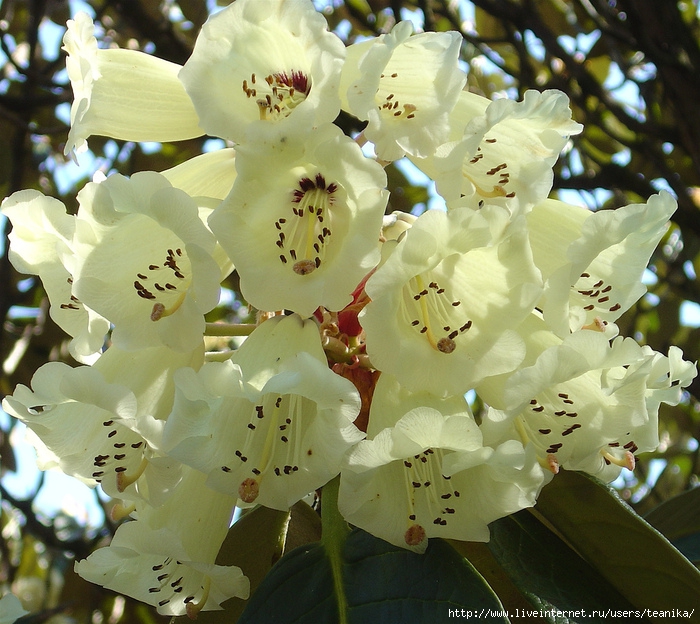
[(165, 284), (193, 608), (124, 479), (433, 313)]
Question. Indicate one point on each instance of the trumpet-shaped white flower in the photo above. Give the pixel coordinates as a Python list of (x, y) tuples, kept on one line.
[(258, 66), (502, 151), (123, 94), (429, 474), (166, 557), (272, 423), (593, 263), (40, 243), (405, 86), (103, 424), (144, 261), (584, 403), (446, 301), (302, 226)]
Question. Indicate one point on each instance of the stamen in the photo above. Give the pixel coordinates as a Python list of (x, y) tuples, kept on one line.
[(286, 92), (626, 461), (592, 292)]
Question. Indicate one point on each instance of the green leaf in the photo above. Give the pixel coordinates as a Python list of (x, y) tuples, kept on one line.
[(382, 583), (389, 584), (633, 556), (690, 547), (298, 589), (677, 517), (679, 520), (195, 11), (481, 557), (549, 573), (304, 527), (488, 26)]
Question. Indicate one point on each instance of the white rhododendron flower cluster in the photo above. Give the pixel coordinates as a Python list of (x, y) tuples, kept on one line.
[(371, 328)]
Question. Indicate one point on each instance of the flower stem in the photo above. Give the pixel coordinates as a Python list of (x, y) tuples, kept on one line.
[(229, 329), (334, 532), (218, 356)]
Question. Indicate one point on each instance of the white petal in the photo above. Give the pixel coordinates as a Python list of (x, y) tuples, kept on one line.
[(41, 244), (277, 339), (622, 241), (391, 401)]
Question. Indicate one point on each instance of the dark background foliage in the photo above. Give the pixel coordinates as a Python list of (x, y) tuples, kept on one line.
[(630, 67)]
